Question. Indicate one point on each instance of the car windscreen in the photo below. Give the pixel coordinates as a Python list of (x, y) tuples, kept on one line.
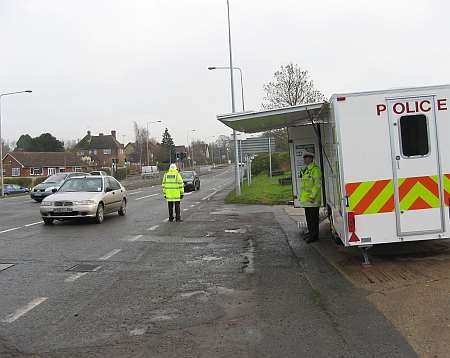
[(55, 179), (187, 174), (92, 185)]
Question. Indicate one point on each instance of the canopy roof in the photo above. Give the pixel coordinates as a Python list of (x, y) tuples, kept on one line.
[(253, 122)]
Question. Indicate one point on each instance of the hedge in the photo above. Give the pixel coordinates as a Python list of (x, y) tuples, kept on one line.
[(280, 162), (27, 182)]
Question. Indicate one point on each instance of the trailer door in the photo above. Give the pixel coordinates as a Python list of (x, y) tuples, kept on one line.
[(416, 167)]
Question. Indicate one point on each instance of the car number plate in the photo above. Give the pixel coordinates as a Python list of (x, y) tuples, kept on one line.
[(62, 210)]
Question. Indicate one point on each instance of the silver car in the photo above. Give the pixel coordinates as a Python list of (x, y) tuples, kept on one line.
[(85, 197)]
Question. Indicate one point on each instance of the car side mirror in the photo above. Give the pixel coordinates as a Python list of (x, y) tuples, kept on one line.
[(107, 190), (54, 190)]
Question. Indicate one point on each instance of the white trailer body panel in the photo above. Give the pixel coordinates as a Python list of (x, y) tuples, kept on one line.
[(395, 195)]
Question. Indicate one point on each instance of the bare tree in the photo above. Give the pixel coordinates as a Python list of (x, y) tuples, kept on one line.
[(291, 86)]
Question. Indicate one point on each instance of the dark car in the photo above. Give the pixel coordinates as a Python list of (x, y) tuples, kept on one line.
[(191, 180), (9, 189), (52, 184)]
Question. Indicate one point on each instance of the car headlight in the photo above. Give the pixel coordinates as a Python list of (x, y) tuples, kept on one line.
[(47, 203), (84, 202)]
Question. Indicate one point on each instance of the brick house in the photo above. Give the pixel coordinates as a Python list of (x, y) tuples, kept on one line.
[(25, 164), (101, 150)]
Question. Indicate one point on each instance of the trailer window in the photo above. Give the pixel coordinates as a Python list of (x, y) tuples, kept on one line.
[(414, 135)]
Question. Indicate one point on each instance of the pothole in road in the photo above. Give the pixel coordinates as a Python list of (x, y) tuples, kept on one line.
[(193, 293), (248, 265)]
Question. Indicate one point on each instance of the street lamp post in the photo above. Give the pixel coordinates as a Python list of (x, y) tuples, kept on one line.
[(242, 82), (192, 147), (148, 139), (233, 107), (1, 137)]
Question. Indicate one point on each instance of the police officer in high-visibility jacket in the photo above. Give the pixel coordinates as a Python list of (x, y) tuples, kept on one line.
[(311, 195), (173, 190)]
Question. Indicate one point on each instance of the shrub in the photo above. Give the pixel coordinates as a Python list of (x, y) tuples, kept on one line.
[(280, 162), (27, 182), (120, 173)]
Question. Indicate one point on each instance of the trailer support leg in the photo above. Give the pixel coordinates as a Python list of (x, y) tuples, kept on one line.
[(364, 251)]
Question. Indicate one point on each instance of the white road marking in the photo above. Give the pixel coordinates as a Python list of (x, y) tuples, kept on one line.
[(8, 230), (110, 254), (24, 310), (185, 209), (166, 220), (190, 193), (147, 196), (75, 276), (192, 205), (134, 193), (138, 332), (153, 228), (136, 238), (197, 202), (32, 224), (210, 195)]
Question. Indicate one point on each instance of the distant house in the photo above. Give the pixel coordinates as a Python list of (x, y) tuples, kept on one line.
[(101, 150), (24, 164)]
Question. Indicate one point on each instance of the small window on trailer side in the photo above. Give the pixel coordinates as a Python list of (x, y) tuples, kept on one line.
[(414, 136)]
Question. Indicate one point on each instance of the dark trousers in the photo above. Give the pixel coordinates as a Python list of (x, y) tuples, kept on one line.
[(312, 221), (177, 210)]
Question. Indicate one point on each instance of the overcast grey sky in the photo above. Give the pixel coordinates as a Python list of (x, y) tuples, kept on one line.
[(102, 64)]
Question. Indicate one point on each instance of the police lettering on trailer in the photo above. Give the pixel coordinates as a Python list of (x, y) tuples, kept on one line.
[(411, 107)]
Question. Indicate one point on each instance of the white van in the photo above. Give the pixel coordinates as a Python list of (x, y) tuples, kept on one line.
[(149, 171)]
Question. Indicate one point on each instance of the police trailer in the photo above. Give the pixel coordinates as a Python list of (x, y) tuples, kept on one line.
[(384, 156)]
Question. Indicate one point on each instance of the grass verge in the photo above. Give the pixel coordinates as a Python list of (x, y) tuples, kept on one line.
[(263, 190)]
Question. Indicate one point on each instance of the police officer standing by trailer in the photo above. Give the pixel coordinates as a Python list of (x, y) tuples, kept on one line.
[(311, 195), (173, 190)]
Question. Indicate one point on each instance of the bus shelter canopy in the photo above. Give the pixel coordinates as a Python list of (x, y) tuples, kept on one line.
[(254, 122)]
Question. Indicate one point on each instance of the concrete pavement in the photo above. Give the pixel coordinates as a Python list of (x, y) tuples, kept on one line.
[(227, 282)]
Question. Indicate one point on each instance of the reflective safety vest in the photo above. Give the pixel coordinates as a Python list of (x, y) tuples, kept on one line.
[(311, 186), (172, 185)]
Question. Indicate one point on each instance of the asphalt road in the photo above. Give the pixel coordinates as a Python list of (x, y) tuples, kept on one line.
[(39, 296), (230, 281)]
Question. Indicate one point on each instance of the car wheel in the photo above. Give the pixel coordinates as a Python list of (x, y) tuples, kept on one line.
[(48, 221), (123, 208), (100, 215)]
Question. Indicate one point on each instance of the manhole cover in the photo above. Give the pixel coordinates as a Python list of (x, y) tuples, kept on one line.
[(5, 266), (84, 268)]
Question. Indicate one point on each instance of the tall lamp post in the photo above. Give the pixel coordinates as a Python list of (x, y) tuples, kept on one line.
[(233, 107), (211, 68), (148, 139), (1, 137)]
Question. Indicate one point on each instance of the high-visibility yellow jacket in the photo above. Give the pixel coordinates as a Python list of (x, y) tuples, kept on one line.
[(311, 186), (172, 185)]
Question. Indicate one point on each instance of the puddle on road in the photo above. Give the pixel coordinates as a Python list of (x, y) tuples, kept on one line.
[(236, 231)]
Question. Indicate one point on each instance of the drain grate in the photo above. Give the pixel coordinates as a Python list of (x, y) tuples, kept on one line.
[(84, 268), (5, 266)]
